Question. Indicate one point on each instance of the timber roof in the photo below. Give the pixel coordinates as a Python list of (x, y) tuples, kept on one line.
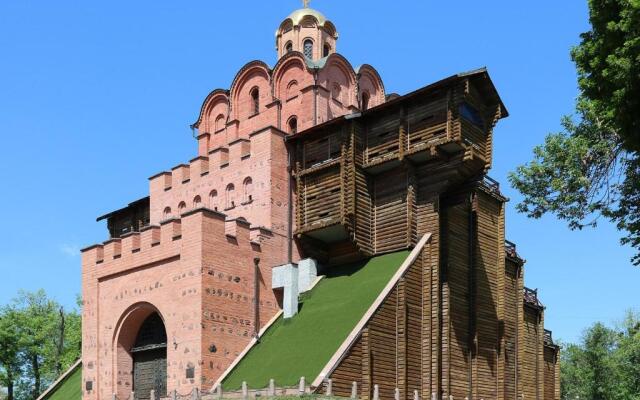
[(304, 344), (481, 75), (133, 204)]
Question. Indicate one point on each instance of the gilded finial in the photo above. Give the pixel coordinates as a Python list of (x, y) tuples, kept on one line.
[(305, 3)]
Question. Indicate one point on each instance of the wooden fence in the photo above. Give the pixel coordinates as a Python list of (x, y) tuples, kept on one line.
[(302, 389)]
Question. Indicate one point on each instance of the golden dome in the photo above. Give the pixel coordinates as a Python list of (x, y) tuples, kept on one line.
[(298, 15)]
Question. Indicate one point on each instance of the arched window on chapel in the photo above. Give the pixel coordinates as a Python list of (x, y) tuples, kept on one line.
[(213, 200), (293, 125), (228, 200), (247, 190), (255, 100), (308, 48)]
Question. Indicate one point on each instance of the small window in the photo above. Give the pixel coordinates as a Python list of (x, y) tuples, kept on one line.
[(326, 50), (166, 214), (197, 202), (255, 100), (213, 200), (288, 48), (293, 125), (182, 207), (292, 89), (219, 123), (247, 192), (469, 113), (228, 201), (365, 101), (308, 48), (336, 92)]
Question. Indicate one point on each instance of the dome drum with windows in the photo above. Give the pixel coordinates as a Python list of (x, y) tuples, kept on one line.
[(308, 31)]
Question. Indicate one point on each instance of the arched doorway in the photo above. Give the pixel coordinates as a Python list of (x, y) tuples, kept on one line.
[(149, 354)]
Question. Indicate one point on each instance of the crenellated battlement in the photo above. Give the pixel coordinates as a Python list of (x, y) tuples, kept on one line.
[(155, 243), (243, 179)]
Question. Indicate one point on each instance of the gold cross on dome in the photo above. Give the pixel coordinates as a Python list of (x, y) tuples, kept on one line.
[(305, 3)]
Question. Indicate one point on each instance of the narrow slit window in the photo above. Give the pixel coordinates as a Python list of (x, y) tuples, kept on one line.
[(255, 100)]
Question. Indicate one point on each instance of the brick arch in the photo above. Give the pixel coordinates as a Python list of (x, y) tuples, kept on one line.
[(253, 74), (369, 81), (337, 69), (290, 67), (216, 103), (124, 337)]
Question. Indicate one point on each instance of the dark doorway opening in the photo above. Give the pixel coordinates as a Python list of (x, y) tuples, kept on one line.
[(150, 359)]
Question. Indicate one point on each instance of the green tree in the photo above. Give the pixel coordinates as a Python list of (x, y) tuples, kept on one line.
[(39, 340), (627, 359), (9, 353), (591, 169), (587, 368), (605, 365)]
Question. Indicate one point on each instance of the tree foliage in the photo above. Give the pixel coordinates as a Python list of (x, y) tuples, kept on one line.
[(591, 169), (39, 340), (605, 365)]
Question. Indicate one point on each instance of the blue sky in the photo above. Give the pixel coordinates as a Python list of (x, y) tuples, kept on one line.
[(97, 97)]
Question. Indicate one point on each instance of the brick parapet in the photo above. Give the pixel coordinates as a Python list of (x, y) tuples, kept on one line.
[(259, 158)]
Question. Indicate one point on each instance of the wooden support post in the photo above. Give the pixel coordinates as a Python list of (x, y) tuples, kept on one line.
[(301, 386), (219, 391), (401, 339), (366, 365), (329, 388), (272, 387), (245, 390)]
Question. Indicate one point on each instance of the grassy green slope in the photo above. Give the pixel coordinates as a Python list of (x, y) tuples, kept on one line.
[(303, 345), (70, 388)]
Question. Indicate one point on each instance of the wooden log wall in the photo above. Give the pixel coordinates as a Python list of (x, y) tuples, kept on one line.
[(390, 211), (321, 197), (529, 375), (489, 276), (389, 351), (457, 335), (549, 374), (389, 178), (512, 313)]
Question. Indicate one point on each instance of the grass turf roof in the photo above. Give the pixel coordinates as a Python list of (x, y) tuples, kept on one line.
[(70, 388), (304, 344)]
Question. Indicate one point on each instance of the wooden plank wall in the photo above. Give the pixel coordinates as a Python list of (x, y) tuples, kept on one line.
[(349, 370), (488, 271), (529, 362), (428, 220), (457, 334), (390, 350), (390, 211), (512, 314), (549, 373), (321, 197)]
